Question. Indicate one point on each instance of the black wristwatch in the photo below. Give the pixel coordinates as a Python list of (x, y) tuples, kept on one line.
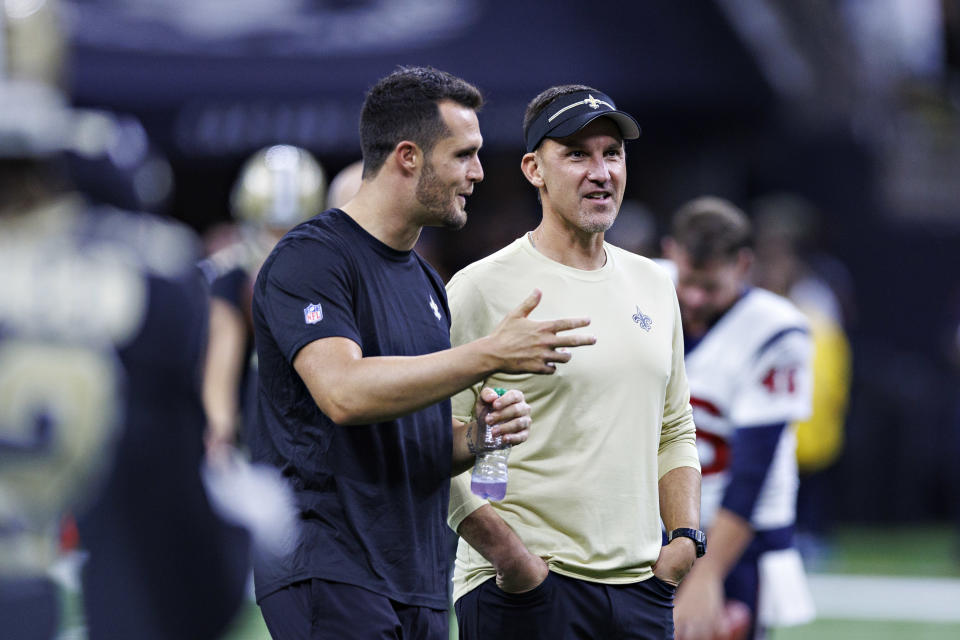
[(699, 538)]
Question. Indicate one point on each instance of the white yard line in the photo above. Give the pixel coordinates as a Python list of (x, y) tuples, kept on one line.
[(839, 597), (848, 597)]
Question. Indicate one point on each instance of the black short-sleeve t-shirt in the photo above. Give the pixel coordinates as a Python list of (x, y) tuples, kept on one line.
[(373, 498)]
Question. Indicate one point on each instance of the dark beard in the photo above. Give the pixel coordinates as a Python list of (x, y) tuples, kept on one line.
[(435, 199)]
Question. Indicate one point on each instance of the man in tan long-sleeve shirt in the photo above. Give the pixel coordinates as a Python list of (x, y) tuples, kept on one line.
[(574, 549)]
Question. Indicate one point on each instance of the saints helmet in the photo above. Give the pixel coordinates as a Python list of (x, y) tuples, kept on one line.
[(35, 120), (279, 187)]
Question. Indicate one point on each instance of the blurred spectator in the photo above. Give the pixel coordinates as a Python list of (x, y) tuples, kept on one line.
[(791, 261), (277, 188), (748, 364), (789, 264)]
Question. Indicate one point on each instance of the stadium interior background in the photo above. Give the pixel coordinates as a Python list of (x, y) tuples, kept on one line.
[(851, 104)]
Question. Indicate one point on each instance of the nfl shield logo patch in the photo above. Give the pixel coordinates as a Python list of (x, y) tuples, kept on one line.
[(312, 314)]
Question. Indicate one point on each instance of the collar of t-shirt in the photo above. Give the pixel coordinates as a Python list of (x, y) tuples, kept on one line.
[(379, 247)]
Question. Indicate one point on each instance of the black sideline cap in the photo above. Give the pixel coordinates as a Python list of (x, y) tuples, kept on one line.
[(569, 113)]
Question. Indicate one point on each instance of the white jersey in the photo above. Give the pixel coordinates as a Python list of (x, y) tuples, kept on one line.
[(751, 369)]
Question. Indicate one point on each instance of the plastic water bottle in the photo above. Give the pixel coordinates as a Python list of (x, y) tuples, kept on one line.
[(489, 478)]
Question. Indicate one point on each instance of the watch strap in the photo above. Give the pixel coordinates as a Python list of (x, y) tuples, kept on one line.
[(699, 538)]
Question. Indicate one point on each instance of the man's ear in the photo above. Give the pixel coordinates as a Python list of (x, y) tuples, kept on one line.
[(530, 166), (408, 156)]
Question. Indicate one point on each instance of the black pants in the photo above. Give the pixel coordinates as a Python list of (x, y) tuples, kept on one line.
[(318, 609), (563, 608)]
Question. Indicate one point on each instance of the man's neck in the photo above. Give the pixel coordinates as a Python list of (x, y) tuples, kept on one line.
[(385, 214), (569, 246)]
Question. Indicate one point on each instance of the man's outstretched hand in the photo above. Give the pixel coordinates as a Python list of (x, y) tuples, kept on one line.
[(528, 346)]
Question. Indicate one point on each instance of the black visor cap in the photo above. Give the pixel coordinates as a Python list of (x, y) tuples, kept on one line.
[(569, 113)]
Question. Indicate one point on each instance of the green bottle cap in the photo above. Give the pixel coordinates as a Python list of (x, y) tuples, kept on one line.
[(500, 390)]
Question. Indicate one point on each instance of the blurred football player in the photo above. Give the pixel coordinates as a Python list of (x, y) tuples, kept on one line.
[(277, 188), (748, 363), (102, 330)]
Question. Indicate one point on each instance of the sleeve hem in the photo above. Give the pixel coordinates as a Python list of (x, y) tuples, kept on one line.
[(458, 514), (300, 344), (675, 462)]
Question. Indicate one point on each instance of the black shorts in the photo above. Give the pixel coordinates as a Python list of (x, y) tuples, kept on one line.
[(315, 609), (562, 608)]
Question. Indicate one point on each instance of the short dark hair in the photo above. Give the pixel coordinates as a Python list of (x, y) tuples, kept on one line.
[(404, 106), (710, 228), (545, 97)]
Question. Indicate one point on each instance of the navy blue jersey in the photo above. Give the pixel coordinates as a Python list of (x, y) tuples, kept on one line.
[(102, 329), (235, 288), (373, 498)]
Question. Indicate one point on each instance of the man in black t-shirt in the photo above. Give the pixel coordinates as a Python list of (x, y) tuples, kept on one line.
[(356, 371)]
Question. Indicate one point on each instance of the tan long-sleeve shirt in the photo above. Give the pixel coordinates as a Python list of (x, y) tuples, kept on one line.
[(582, 491)]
